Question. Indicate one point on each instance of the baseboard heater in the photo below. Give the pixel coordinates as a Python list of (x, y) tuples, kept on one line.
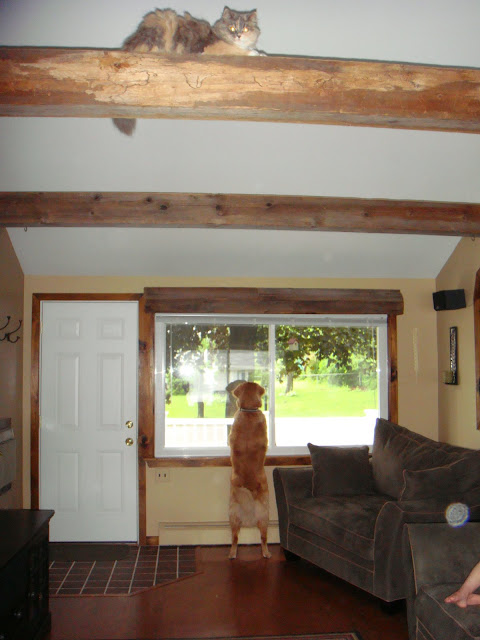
[(207, 532), (209, 526)]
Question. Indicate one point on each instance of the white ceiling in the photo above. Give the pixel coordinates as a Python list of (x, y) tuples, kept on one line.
[(240, 157), (210, 253)]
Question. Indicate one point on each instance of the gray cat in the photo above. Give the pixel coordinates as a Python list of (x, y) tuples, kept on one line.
[(165, 31)]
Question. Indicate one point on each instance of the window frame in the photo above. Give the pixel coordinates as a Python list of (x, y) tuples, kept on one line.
[(240, 300), (162, 320)]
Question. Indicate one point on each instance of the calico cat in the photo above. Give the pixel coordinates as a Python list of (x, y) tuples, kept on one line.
[(165, 31)]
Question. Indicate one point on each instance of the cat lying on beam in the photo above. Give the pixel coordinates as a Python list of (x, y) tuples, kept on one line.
[(165, 31)]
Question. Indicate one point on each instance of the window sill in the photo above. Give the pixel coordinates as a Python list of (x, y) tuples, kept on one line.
[(224, 461)]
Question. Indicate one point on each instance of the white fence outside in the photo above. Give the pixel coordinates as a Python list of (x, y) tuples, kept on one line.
[(290, 432)]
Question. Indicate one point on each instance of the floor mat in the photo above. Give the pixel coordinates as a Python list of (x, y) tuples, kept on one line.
[(142, 568), (349, 635), (87, 551)]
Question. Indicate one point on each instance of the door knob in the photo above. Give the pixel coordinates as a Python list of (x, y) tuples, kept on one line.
[(129, 442), (129, 424)]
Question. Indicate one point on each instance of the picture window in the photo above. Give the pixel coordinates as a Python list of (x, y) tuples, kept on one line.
[(325, 378)]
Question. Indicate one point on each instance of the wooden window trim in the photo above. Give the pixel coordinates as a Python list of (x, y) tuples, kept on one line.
[(224, 461), (259, 301), (272, 301)]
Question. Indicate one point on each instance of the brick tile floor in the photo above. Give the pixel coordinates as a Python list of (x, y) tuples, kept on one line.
[(143, 568)]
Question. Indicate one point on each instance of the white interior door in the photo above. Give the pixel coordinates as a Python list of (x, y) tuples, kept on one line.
[(88, 420)]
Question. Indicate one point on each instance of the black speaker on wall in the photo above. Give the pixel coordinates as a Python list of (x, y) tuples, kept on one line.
[(449, 299)]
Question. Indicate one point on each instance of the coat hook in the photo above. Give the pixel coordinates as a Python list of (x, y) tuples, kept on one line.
[(8, 334)]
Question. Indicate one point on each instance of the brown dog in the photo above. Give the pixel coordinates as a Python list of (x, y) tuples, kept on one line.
[(248, 484)]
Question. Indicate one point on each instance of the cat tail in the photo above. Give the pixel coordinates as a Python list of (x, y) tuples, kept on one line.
[(125, 125)]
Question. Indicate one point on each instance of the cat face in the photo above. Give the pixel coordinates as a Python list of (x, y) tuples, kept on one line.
[(238, 27)]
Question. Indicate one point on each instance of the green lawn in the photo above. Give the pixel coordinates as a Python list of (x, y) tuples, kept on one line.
[(308, 400)]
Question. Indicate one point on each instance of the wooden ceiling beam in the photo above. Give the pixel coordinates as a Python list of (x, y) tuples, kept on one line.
[(105, 83), (237, 211)]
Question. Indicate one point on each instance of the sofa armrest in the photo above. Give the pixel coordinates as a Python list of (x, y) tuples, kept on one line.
[(439, 553), (390, 576), (389, 568), (290, 485), (296, 483)]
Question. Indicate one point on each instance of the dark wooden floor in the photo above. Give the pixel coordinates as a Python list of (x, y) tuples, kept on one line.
[(246, 596)]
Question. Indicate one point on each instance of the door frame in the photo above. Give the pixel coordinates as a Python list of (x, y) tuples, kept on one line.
[(476, 327), (37, 299)]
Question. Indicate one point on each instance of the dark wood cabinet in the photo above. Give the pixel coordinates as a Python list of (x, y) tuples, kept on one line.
[(24, 609)]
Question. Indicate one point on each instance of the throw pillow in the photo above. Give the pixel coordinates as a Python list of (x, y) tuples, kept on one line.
[(422, 484), (340, 471), (396, 448), (448, 483)]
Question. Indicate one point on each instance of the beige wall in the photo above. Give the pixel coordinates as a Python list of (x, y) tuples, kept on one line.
[(457, 411), (11, 304), (201, 495)]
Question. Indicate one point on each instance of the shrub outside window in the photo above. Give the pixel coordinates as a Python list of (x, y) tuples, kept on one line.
[(325, 379)]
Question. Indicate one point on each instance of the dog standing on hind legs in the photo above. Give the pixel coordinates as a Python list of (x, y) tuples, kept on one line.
[(248, 484)]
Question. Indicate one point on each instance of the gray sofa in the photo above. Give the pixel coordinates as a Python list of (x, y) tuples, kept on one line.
[(346, 512), (439, 558)]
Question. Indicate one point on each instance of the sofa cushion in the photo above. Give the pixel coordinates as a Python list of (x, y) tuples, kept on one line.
[(437, 483), (446, 621), (396, 448), (449, 482), (340, 471), (468, 472), (347, 522)]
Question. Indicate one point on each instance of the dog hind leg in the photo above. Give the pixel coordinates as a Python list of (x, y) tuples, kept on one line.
[(263, 527), (235, 527)]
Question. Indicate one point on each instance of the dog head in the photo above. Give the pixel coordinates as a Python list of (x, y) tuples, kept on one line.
[(249, 395)]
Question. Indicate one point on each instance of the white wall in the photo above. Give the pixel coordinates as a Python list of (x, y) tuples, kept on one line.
[(245, 157), (425, 31), (457, 415)]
